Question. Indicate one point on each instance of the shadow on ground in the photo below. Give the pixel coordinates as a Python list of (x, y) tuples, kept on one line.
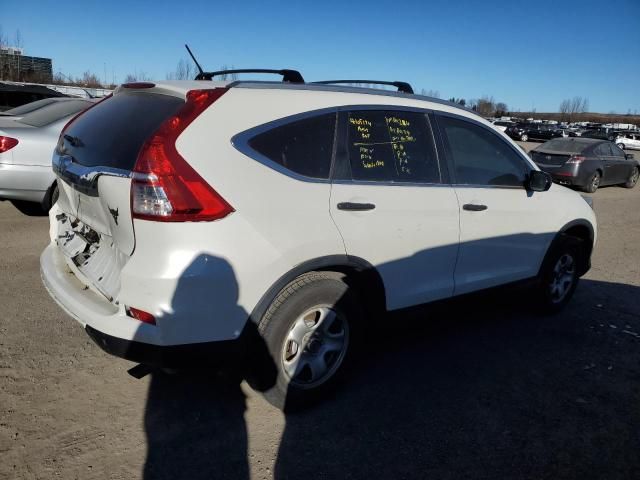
[(473, 388)]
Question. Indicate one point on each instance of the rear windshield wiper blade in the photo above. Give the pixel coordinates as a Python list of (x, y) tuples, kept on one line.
[(74, 141)]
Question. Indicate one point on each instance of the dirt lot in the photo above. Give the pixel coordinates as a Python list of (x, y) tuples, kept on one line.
[(480, 388)]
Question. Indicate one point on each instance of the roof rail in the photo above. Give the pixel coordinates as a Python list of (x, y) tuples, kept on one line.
[(291, 76), (402, 86)]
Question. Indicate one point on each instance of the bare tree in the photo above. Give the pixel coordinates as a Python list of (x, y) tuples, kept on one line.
[(90, 80), (185, 70), (136, 77), (430, 93), (571, 107), (501, 109), (486, 106)]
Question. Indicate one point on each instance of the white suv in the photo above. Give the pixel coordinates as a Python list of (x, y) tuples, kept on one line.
[(198, 219)]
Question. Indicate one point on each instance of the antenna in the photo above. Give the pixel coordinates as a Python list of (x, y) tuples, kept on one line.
[(194, 58)]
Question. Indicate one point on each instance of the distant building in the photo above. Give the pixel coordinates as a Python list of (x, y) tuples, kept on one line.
[(17, 67)]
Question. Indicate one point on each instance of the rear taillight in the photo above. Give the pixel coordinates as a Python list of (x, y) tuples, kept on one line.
[(576, 159), (165, 187), (7, 143)]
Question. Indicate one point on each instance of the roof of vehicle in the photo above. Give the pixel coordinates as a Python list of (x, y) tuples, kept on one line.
[(180, 87)]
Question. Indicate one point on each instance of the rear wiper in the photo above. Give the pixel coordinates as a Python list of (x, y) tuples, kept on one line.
[(74, 141)]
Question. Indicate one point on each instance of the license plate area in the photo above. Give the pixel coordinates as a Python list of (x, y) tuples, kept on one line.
[(92, 255)]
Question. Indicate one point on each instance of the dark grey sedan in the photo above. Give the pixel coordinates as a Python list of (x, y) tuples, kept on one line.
[(586, 163)]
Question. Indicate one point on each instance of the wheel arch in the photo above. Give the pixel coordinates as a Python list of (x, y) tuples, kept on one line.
[(584, 231), (359, 274)]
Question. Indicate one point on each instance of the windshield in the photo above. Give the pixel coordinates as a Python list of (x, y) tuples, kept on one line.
[(54, 111)]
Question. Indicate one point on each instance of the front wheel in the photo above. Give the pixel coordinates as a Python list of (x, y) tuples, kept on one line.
[(524, 137), (633, 178), (309, 331), (559, 274), (621, 146)]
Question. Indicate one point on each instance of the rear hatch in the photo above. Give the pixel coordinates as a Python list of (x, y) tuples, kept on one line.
[(94, 160)]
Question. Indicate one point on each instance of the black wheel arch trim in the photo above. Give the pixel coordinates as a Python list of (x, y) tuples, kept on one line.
[(588, 248), (358, 272)]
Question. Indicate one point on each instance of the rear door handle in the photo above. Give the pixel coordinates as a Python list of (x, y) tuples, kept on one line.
[(473, 207), (355, 206)]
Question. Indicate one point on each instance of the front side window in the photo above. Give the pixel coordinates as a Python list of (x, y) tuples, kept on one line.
[(615, 151), (391, 146), (304, 146), (481, 157)]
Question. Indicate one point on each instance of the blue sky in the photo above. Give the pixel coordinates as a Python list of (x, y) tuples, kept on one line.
[(529, 54)]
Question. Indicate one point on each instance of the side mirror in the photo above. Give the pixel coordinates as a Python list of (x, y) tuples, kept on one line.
[(629, 156), (539, 181)]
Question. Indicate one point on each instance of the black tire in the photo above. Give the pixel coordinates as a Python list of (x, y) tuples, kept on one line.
[(560, 268), (297, 307), (621, 146), (53, 197), (633, 178), (594, 183), (524, 137)]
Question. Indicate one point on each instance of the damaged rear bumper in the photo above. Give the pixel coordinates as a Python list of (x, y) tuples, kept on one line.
[(120, 335)]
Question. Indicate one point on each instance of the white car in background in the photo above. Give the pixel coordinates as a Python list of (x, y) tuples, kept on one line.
[(27, 141), (201, 218), (502, 125), (630, 141)]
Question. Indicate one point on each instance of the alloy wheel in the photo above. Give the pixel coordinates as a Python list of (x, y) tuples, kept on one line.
[(562, 278)]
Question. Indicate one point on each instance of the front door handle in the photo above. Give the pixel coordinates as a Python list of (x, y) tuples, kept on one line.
[(355, 206), (473, 207)]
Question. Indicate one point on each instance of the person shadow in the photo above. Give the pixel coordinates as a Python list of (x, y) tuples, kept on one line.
[(194, 417)]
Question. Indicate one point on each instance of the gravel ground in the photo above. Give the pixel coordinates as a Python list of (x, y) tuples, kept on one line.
[(478, 388)]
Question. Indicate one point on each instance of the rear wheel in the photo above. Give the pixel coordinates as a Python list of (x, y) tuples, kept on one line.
[(621, 145), (633, 178), (594, 183), (559, 274), (524, 137), (309, 331)]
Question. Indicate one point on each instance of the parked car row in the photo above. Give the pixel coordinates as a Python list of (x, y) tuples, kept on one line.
[(535, 131)]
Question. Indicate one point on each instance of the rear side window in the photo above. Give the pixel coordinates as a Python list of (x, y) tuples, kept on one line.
[(602, 150), (112, 133), (304, 146), (391, 146), (53, 112), (481, 157)]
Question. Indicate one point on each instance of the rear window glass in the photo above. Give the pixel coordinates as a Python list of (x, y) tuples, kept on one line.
[(304, 146), (53, 112), (30, 107), (565, 145), (112, 133)]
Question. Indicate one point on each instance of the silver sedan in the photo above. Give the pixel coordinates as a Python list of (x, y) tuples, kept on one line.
[(26, 146)]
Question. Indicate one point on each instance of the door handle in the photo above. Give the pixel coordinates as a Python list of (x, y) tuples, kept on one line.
[(473, 207), (355, 206)]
